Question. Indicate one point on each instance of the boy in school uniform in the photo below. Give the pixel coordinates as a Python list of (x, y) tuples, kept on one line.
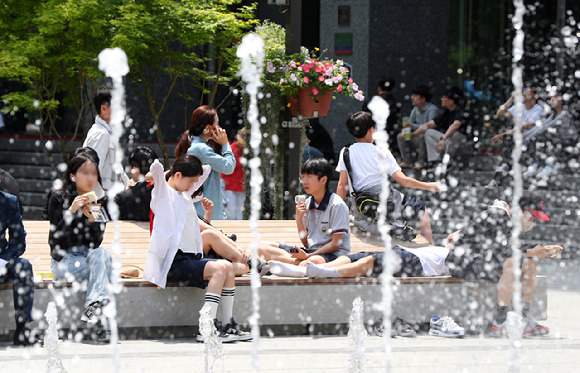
[(322, 221)]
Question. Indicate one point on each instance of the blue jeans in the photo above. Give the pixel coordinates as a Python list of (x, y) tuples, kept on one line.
[(81, 264), (18, 272)]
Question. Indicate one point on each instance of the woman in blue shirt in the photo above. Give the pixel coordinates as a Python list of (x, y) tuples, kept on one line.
[(204, 126)]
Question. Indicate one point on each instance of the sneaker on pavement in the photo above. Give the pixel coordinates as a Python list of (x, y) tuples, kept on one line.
[(234, 329), (220, 333), (533, 328), (499, 330), (445, 327), (405, 165), (379, 329), (403, 329)]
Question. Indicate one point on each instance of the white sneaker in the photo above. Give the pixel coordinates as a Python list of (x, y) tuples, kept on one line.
[(445, 327)]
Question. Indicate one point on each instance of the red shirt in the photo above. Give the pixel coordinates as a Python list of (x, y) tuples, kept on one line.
[(235, 181)]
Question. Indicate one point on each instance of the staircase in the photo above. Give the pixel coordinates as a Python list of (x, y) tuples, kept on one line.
[(29, 163)]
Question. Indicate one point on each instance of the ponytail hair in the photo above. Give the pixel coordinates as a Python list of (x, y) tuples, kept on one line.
[(200, 118), (189, 165)]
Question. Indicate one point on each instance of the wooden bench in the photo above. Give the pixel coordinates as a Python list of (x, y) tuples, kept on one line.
[(288, 305)]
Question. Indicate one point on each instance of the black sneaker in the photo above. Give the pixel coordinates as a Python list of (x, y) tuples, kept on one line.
[(220, 333), (233, 329), (403, 329), (379, 329), (94, 312), (23, 336)]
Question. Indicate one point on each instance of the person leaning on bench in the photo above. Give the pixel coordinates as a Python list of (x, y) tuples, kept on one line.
[(482, 251), (14, 269), (176, 249), (75, 238), (322, 220)]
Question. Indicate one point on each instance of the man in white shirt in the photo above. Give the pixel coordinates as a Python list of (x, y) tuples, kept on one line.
[(367, 176), (531, 113), (99, 139)]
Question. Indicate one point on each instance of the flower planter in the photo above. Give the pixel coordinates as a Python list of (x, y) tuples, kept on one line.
[(305, 105)]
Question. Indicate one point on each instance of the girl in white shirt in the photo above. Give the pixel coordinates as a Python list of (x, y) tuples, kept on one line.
[(176, 247)]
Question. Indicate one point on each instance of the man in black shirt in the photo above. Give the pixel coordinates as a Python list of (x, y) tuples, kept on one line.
[(450, 130), (134, 202), (482, 251)]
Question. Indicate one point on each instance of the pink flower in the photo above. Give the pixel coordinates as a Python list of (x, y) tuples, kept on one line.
[(306, 68), (314, 91), (321, 78), (350, 80), (339, 88), (306, 80), (281, 81)]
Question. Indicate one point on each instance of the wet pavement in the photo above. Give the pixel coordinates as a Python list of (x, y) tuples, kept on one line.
[(559, 352)]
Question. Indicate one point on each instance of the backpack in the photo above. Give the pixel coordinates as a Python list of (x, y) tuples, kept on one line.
[(368, 203)]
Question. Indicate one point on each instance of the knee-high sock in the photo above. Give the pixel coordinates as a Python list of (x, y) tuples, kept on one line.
[(313, 270), (285, 269), (227, 304), (212, 300)]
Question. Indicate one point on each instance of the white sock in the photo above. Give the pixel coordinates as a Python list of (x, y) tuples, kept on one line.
[(212, 300), (227, 305), (285, 269), (313, 270)]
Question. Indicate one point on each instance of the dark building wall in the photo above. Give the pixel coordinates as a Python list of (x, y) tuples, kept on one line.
[(408, 40), (405, 39)]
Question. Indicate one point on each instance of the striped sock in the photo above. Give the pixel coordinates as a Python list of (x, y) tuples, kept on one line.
[(212, 300), (227, 304)]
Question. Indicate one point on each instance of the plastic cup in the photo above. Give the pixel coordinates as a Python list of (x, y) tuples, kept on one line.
[(407, 133), (299, 198)]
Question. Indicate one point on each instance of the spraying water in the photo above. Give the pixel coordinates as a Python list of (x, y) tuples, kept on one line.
[(51, 342), (213, 346), (356, 338), (518, 51), (380, 110), (251, 54), (114, 63)]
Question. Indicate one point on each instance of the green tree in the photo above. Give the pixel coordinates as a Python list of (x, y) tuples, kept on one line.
[(191, 40), (51, 48)]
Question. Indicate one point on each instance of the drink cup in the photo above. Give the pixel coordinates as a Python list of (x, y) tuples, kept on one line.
[(299, 198), (407, 133)]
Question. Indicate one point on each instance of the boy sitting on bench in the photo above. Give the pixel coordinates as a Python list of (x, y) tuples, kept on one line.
[(322, 221)]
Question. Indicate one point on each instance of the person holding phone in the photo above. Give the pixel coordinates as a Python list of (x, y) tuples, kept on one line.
[(204, 126), (322, 220)]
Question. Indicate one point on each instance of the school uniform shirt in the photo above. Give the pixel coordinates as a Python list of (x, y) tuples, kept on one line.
[(174, 215), (365, 160), (326, 219)]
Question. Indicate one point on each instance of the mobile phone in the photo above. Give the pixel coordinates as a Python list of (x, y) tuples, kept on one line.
[(293, 250)]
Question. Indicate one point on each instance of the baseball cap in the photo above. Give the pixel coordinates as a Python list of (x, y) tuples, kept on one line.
[(535, 205)]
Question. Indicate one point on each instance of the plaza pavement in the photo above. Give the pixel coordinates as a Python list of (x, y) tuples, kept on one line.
[(559, 352)]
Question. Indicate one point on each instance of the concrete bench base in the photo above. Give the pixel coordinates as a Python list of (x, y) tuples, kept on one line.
[(287, 306)]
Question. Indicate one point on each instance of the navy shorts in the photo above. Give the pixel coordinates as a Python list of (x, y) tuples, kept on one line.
[(327, 257), (187, 270), (410, 263)]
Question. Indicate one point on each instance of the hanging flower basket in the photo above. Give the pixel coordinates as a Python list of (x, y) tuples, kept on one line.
[(306, 105)]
